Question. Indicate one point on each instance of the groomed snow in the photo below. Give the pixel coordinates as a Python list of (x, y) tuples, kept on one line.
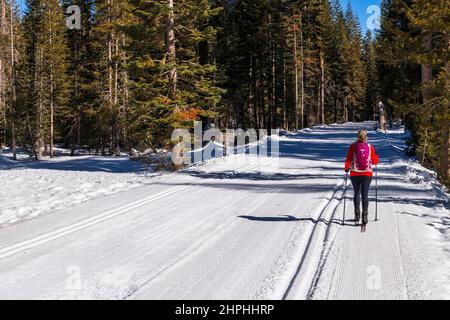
[(232, 228), (29, 188)]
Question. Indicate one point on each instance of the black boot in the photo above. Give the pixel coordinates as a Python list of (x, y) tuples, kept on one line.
[(357, 217), (365, 218)]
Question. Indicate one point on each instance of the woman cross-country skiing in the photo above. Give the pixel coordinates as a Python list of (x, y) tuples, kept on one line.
[(360, 157)]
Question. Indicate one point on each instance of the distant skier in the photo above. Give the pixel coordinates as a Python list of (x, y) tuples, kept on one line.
[(360, 157)]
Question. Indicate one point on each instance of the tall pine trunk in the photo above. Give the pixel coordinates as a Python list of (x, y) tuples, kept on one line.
[(2, 86), (13, 82), (40, 107), (51, 91), (125, 99), (345, 105), (322, 88), (285, 124), (251, 105), (273, 93), (296, 80), (254, 91), (110, 81), (302, 75), (299, 73), (336, 107), (115, 142), (2, 103), (171, 50)]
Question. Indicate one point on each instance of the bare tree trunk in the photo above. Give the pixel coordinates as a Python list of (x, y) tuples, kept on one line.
[(345, 110), (13, 82), (254, 92), (262, 100), (251, 95), (30, 132), (273, 94), (52, 98), (125, 99), (73, 130), (78, 128), (297, 102), (302, 75), (72, 139), (110, 78), (322, 88), (285, 124), (2, 101), (171, 50), (318, 108), (115, 100), (39, 135), (425, 146), (116, 69), (51, 115), (2, 86), (335, 111)]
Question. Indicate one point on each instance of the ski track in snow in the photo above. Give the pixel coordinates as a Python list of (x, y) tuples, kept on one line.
[(232, 228), (385, 263)]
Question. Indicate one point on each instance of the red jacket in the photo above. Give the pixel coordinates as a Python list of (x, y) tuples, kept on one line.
[(348, 162)]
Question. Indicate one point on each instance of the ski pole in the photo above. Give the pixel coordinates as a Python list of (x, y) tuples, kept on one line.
[(376, 193), (345, 191)]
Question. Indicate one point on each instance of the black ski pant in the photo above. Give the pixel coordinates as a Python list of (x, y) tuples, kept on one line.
[(361, 187)]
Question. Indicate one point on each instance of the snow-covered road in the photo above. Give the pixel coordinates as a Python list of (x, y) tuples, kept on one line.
[(242, 228)]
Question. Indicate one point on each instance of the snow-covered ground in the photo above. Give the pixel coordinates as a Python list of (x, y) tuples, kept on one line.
[(30, 188), (232, 228)]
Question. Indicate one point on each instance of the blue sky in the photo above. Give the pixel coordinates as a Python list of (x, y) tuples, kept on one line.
[(359, 7)]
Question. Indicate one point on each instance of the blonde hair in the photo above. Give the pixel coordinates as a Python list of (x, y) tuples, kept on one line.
[(362, 136)]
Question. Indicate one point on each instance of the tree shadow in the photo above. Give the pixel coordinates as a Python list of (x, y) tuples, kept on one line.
[(82, 163), (421, 202), (259, 176)]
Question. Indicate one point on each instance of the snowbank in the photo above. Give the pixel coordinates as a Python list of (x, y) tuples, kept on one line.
[(30, 188)]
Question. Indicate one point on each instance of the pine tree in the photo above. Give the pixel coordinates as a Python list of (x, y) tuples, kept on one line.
[(338, 65), (170, 85), (3, 77), (371, 80), (109, 46), (3, 72), (10, 52), (326, 44), (46, 65), (412, 54), (79, 117), (355, 76), (433, 37)]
